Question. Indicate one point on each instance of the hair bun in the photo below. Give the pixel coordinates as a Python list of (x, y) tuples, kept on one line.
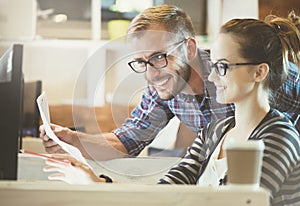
[(294, 19)]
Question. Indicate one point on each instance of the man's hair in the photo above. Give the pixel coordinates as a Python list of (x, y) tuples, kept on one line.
[(171, 18)]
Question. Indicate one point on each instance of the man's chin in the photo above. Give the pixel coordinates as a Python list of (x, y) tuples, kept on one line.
[(165, 96)]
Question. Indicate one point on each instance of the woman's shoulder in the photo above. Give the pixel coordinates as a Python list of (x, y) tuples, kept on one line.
[(276, 125), (275, 119)]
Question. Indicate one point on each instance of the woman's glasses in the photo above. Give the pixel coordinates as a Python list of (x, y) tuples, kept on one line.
[(221, 67)]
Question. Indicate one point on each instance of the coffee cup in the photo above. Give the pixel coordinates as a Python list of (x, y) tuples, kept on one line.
[(244, 162)]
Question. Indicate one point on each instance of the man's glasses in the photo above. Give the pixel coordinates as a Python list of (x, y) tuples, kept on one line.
[(221, 67), (157, 61)]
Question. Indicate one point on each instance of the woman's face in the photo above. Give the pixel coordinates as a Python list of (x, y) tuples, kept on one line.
[(236, 85)]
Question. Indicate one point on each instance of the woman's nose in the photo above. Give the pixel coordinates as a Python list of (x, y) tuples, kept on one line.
[(213, 76)]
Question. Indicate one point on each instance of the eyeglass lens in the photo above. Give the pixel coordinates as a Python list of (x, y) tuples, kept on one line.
[(220, 67), (158, 61)]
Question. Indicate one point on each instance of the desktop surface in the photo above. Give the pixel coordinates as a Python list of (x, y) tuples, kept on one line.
[(143, 170), (39, 194), (137, 179)]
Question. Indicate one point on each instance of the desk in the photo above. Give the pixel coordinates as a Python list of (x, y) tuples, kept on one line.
[(143, 170), (40, 194), (137, 177)]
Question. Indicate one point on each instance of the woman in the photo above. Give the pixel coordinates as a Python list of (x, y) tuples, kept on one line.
[(250, 62)]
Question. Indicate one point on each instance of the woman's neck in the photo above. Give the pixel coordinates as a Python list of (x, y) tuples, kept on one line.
[(247, 118), (249, 112), (249, 115)]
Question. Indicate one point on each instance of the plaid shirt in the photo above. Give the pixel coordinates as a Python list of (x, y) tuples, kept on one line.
[(153, 114), (287, 98)]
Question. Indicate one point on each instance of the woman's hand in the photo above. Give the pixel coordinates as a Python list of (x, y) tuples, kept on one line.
[(70, 170)]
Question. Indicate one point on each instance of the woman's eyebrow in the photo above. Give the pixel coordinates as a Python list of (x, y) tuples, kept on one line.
[(222, 59)]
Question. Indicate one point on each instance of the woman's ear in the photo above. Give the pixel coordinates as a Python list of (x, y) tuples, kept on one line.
[(191, 48), (261, 72)]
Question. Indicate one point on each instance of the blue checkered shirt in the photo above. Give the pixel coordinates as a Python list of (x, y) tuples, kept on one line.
[(287, 98)]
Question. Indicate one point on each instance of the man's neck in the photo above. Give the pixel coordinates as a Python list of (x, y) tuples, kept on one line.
[(195, 84)]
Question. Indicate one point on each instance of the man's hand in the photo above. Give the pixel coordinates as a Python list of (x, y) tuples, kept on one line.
[(63, 133)]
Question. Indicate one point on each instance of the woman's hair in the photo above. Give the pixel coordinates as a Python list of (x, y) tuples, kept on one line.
[(274, 41), (171, 18), (294, 19)]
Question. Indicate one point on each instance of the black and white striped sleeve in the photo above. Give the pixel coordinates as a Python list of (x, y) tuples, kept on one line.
[(186, 171), (281, 169)]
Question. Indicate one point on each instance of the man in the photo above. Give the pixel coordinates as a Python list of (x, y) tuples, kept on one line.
[(165, 50)]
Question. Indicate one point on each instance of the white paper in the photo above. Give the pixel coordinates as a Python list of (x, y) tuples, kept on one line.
[(42, 103)]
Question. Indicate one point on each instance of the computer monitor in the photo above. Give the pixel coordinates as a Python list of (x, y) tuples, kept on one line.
[(31, 115), (11, 105)]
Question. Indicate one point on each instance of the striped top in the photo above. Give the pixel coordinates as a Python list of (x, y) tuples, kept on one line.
[(281, 160)]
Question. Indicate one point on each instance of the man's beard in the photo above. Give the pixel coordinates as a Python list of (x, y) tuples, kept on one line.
[(183, 76)]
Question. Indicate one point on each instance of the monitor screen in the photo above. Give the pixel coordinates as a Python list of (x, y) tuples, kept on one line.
[(6, 66), (11, 104), (31, 115)]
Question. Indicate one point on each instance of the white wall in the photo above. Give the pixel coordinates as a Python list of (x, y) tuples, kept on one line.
[(81, 72), (63, 66), (17, 19), (220, 11)]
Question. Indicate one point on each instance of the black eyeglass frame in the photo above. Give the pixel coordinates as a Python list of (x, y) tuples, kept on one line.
[(164, 55), (227, 65)]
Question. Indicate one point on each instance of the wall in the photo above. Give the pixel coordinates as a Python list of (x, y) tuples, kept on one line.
[(220, 11), (17, 19), (63, 67), (81, 72), (278, 7)]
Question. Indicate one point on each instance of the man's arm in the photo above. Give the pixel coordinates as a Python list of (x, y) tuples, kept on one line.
[(148, 118), (102, 146), (97, 147)]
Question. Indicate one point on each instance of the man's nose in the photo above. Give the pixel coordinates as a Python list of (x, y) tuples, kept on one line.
[(152, 72)]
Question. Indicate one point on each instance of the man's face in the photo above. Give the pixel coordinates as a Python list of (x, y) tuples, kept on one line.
[(157, 46)]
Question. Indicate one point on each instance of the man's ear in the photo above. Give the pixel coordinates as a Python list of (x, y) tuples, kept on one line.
[(191, 48), (261, 72)]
